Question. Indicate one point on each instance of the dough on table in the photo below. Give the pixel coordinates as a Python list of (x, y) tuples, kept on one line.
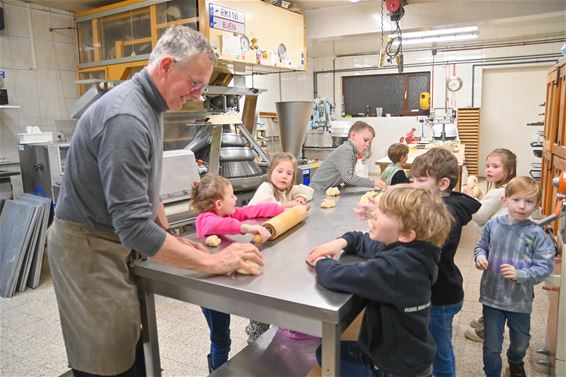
[(327, 203), (369, 195), (212, 241), (250, 264), (364, 200), (333, 191)]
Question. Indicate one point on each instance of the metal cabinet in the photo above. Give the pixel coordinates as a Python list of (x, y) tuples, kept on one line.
[(43, 166)]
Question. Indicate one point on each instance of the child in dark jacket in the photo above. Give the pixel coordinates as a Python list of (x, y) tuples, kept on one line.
[(437, 170), (408, 228)]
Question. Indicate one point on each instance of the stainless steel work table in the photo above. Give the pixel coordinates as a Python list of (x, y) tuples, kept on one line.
[(285, 294)]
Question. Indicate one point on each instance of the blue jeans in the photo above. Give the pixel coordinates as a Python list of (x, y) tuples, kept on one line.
[(519, 327), (441, 318), (219, 325), (354, 362)]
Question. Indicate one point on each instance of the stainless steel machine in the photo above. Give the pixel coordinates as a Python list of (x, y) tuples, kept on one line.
[(228, 149), (43, 166), (179, 171)]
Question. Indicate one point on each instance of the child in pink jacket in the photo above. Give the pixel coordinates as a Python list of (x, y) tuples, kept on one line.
[(214, 197)]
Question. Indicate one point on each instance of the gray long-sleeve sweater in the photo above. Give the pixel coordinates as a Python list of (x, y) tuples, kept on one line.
[(338, 168), (522, 245), (113, 169)]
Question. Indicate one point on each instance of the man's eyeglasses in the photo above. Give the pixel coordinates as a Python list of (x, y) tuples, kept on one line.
[(196, 86)]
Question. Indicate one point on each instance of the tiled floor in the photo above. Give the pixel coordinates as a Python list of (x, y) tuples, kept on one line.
[(31, 343)]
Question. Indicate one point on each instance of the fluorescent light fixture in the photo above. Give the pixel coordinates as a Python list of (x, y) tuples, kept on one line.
[(354, 1), (434, 33), (442, 38), (441, 35)]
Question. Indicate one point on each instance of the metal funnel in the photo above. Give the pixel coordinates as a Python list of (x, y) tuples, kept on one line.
[(293, 119)]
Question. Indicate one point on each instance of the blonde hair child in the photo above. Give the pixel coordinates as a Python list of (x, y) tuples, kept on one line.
[(515, 254), (500, 168), (401, 253), (280, 184)]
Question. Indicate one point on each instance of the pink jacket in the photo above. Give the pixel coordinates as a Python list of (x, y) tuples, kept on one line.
[(208, 223)]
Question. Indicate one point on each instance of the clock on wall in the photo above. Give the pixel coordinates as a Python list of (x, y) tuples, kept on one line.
[(281, 51), (454, 83), (244, 43)]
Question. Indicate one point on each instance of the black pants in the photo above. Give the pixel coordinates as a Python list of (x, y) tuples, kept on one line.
[(137, 370)]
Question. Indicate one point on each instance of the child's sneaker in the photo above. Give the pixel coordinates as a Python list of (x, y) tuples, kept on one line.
[(475, 323), (474, 335), (517, 370)]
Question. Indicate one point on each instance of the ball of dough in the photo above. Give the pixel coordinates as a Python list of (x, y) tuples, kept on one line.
[(250, 264), (327, 203), (369, 195), (333, 191), (212, 241)]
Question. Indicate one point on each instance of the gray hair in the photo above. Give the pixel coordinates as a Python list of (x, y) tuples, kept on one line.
[(182, 43)]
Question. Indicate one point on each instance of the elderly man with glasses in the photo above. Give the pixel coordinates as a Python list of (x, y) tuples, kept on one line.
[(109, 205)]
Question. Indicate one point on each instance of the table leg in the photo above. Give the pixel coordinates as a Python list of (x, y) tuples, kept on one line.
[(330, 349), (149, 331)]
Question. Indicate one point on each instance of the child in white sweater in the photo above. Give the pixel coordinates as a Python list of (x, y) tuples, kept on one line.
[(500, 168), (279, 188)]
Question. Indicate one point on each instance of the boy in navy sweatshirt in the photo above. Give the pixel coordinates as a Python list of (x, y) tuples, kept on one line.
[(437, 170), (403, 247)]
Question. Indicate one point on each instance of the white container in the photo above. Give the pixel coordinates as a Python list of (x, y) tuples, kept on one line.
[(42, 137)]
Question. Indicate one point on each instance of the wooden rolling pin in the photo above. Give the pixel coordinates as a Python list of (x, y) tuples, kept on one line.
[(282, 222)]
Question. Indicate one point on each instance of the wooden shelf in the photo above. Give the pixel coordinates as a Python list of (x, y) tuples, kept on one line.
[(468, 123)]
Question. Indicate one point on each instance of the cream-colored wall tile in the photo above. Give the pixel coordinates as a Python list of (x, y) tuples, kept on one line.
[(64, 35), (16, 19), (45, 54), (49, 110), (65, 56), (20, 50), (29, 112), (5, 53), (68, 88), (25, 83), (68, 102), (47, 83), (41, 22)]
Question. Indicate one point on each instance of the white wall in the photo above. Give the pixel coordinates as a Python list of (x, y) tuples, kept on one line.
[(40, 70), (511, 99)]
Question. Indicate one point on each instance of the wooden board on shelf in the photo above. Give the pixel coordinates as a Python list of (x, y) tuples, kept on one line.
[(468, 123)]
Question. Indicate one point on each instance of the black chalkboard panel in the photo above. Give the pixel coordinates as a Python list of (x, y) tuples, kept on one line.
[(363, 94)]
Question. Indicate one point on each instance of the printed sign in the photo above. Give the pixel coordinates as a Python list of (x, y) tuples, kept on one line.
[(227, 19)]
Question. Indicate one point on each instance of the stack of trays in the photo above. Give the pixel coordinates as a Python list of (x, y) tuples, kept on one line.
[(23, 230)]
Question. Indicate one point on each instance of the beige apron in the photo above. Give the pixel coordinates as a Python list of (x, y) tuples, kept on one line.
[(97, 297)]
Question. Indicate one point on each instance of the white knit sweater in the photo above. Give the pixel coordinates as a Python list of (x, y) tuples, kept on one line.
[(265, 194), (491, 206)]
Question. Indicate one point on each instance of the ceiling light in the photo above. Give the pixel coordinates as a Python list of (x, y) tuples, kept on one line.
[(432, 36), (354, 1), (434, 33), (440, 38)]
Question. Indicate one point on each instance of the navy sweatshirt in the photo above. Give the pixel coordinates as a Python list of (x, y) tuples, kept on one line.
[(397, 281), (448, 288)]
